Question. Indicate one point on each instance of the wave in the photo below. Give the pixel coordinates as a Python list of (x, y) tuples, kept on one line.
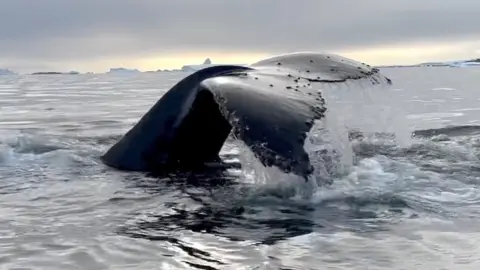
[(462, 130)]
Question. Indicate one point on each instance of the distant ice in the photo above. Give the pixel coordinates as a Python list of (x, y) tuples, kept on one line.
[(207, 63), (460, 64), (193, 68), (465, 64), (457, 64), (123, 71), (4, 71), (168, 70)]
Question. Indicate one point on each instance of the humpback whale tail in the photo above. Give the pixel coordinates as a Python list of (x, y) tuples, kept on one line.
[(270, 105)]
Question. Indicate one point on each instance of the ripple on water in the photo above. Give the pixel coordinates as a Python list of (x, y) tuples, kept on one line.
[(467, 109)]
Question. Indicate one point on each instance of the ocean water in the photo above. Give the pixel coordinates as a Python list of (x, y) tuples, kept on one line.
[(395, 201)]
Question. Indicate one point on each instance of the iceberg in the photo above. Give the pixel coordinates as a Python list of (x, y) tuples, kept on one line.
[(123, 71), (457, 63), (206, 63), (4, 72), (470, 63), (193, 68)]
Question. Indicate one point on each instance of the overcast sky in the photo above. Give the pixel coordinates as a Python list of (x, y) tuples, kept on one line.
[(93, 35)]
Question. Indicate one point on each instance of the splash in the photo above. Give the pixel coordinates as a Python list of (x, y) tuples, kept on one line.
[(352, 107), (267, 181), (362, 107)]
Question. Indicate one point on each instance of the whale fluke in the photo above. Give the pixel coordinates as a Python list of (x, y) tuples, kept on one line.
[(270, 105)]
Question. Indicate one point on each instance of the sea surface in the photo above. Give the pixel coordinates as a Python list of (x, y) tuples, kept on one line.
[(392, 200)]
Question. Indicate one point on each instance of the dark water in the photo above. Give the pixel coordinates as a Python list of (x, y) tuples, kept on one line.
[(395, 202)]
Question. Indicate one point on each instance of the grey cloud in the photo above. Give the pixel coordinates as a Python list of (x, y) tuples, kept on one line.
[(59, 29)]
